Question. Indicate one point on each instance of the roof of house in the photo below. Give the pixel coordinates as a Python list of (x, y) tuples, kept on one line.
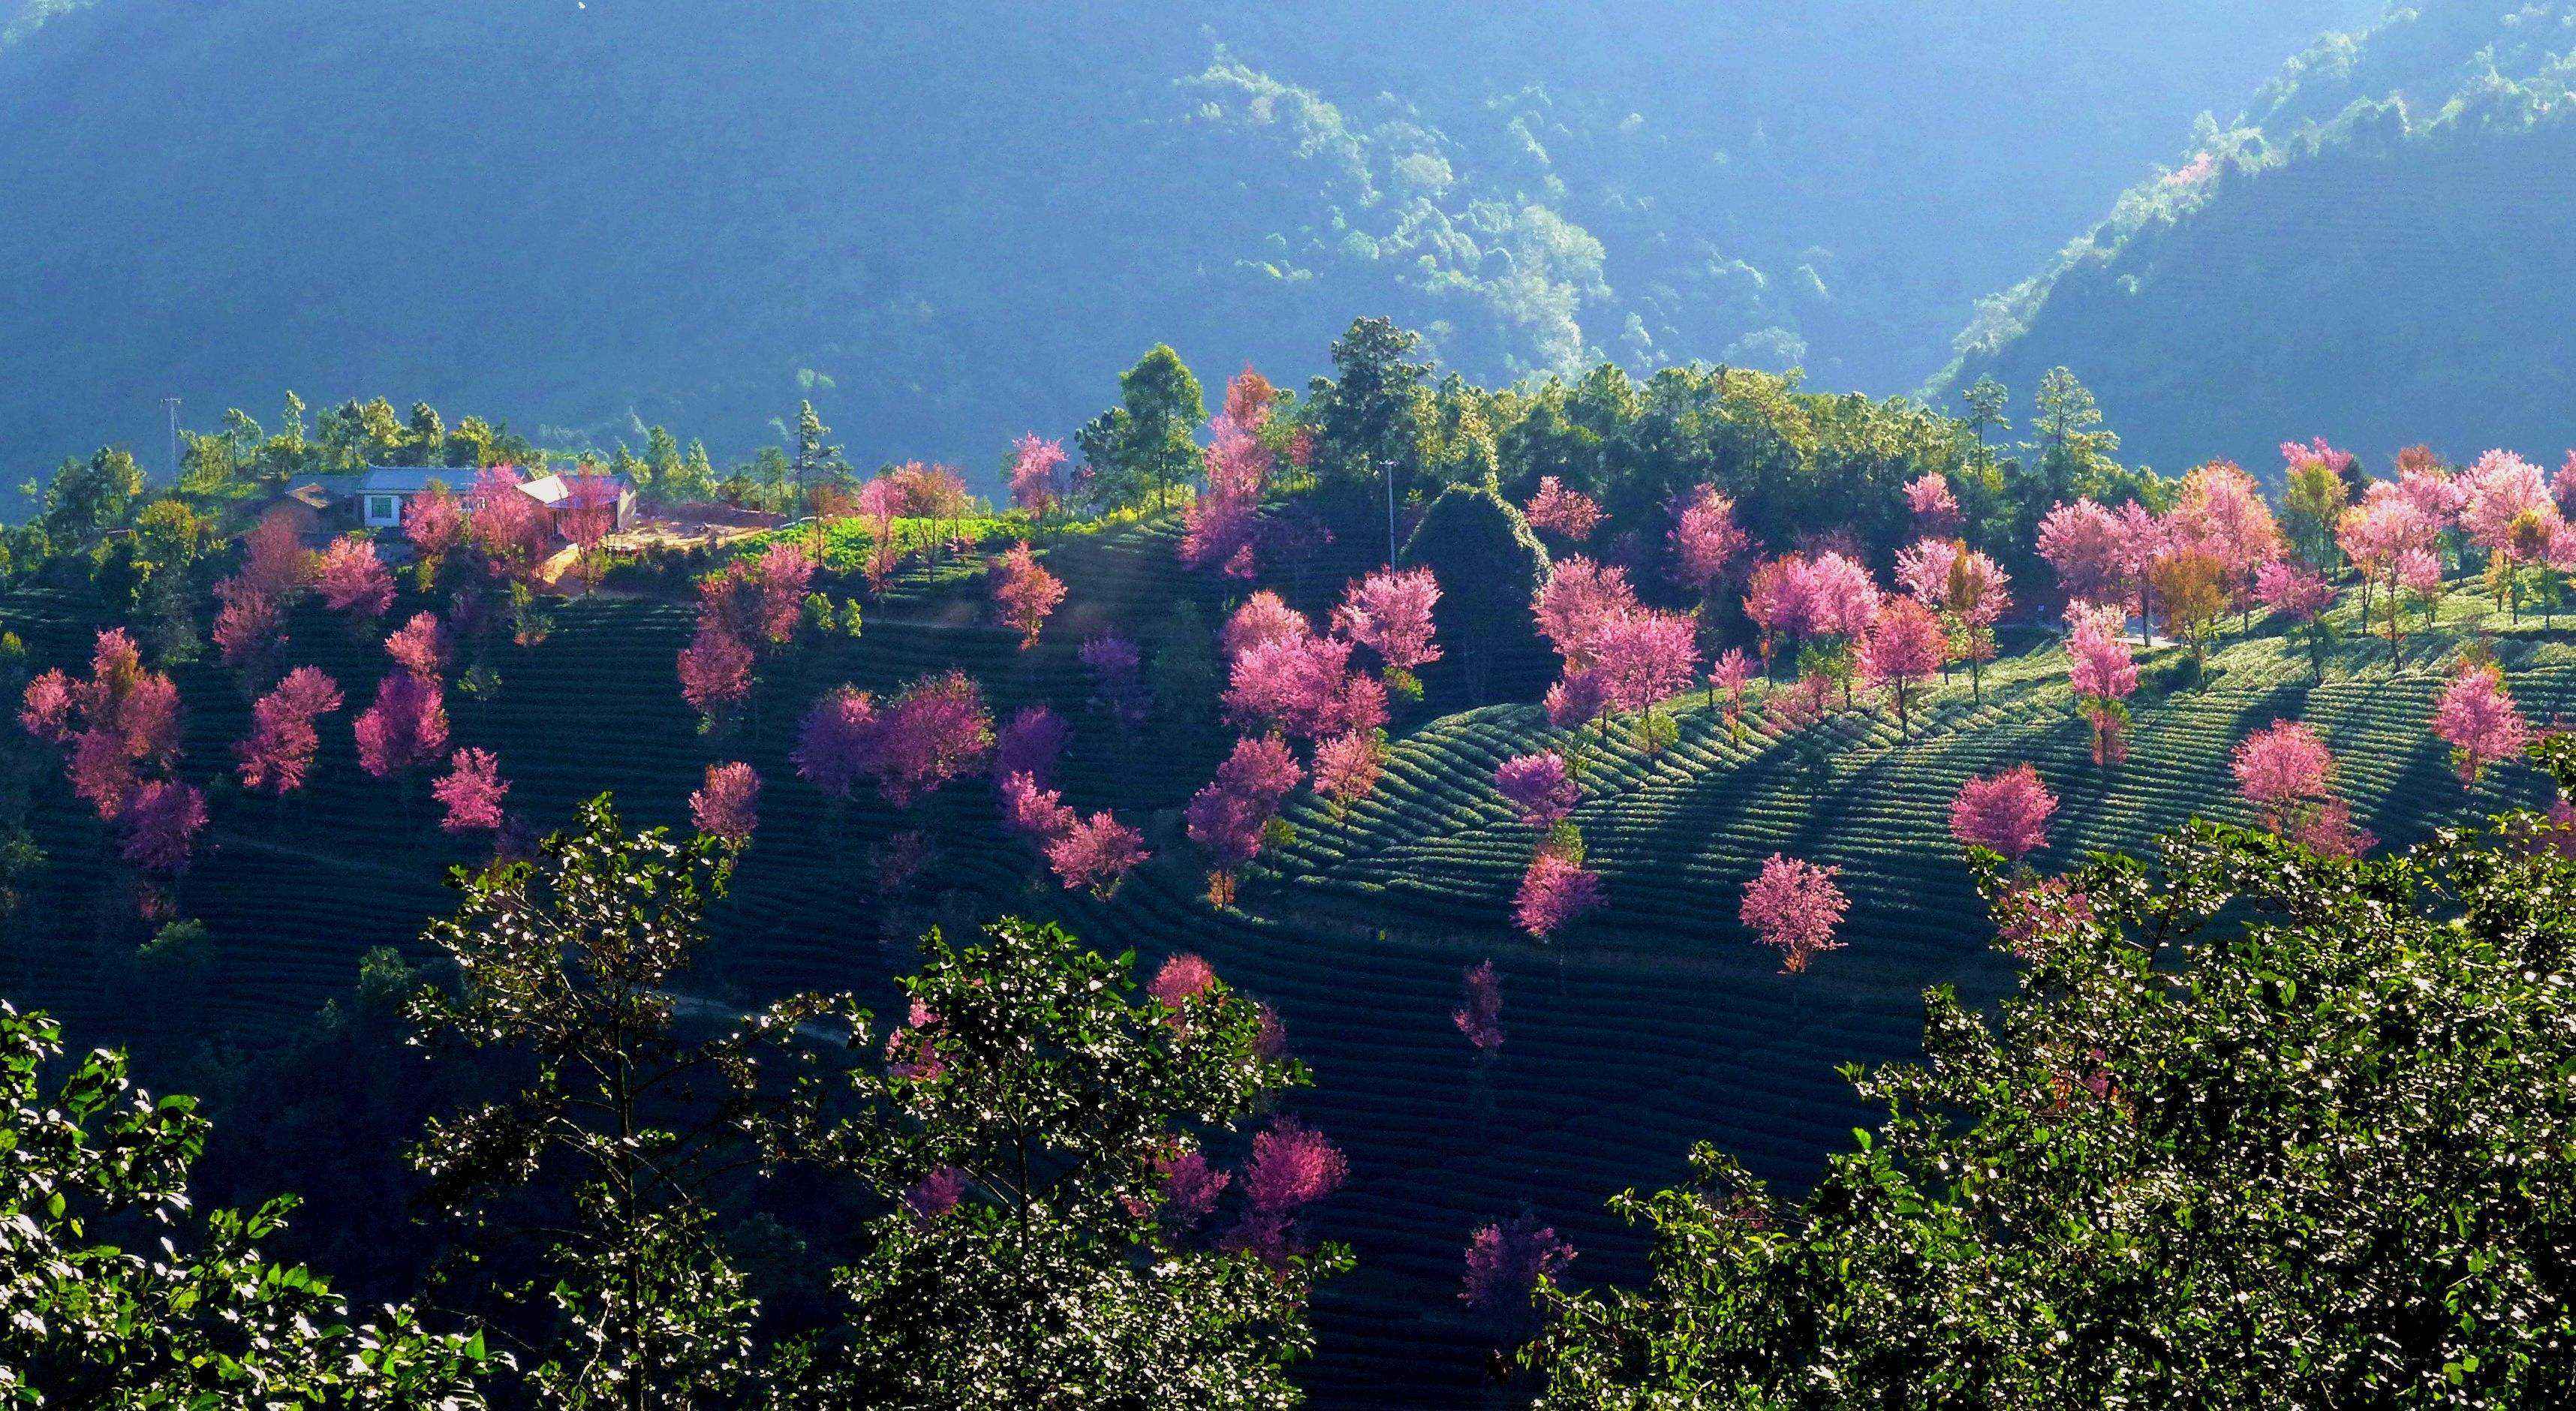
[(553, 490), (412, 480)]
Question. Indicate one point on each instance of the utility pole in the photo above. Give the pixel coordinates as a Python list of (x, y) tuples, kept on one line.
[(172, 403), (1390, 512)]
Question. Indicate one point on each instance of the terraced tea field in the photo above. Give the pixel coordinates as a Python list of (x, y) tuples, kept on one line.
[(1655, 1025)]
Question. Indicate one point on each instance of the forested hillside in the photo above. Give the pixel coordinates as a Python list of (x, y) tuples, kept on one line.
[(1646, 768), (2378, 244), (611, 215)]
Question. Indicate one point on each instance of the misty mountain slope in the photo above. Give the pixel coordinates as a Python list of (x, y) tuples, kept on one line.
[(2378, 251), (951, 222)]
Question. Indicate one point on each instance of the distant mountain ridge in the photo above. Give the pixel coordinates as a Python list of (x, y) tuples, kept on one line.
[(2378, 250), (948, 223)]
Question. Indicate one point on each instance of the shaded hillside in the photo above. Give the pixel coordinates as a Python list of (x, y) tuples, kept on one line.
[(1653, 1026), (2377, 250), (950, 222)]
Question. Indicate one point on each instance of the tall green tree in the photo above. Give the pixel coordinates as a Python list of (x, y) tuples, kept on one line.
[(1490, 566), (1987, 401), (86, 499), (120, 1294), (1164, 406), (609, 1147), (1370, 414), (1020, 1135), (2259, 1128)]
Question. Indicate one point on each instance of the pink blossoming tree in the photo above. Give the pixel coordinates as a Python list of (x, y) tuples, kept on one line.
[(1230, 817), (1795, 908), (1505, 1262), (471, 792), (1479, 1015), (1904, 647), (2103, 674), (727, 805), (1569, 514), (404, 728), (278, 753), (1554, 891), (2477, 718), (1024, 592), (353, 580), (1389, 612), (2006, 813)]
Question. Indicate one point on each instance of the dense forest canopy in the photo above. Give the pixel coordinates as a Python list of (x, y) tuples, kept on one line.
[(637, 211), (2376, 244)]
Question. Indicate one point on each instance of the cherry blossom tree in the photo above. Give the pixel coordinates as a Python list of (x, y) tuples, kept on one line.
[(2299, 595), (1031, 744), (1024, 592), (1037, 475), (115, 727), (1645, 658), (1181, 978), (1570, 514), (404, 728), (835, 743), (1292, 1168), (2477, 718), (2282, 768), (2287, 773), (507, 524), (1904, 647), (2378, 536), (471, 792), (1221, 524), (1303, 686), (1795, 908), (1731, 674), (247, 623), (1034, 810), (778, 584), (1096, 853), (2085, 544), (1540, 790), (1347, 769), (1230, 817), (1554, 891), (1262, 619), (2221, 512), (1479, 1015), (1578, 596), (434, 522), (1706, 543), (278, 753), (420, 646), (161, 826), (727, 805), (2510, 515), (353, 580), (2103, 673), (274, 561), (715, 675), (1935, 509), (1781, 602), (588, 515), (1505, 1262), (2435, 492), (934, 730), (2006, 813), (1389, 612)]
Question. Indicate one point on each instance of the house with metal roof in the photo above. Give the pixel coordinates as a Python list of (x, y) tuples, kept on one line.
[(378, 494)]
